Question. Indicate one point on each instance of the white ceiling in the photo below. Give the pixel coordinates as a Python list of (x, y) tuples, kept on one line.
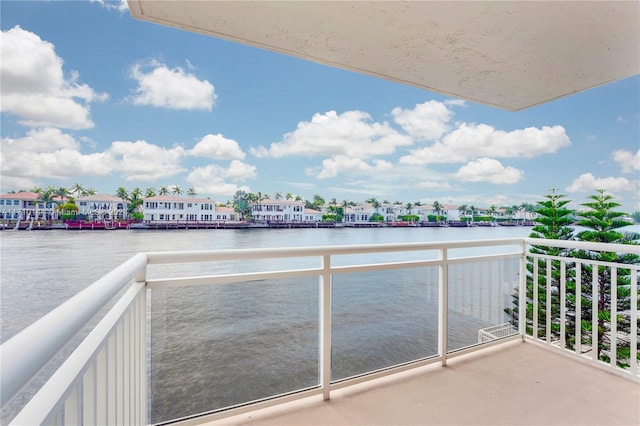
[(512, 55)]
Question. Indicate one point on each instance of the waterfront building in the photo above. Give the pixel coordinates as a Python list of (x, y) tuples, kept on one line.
[(102, 207), (167, 208), (311, 215), (224, 213), (277, 211), (24, 205), (359, 213)]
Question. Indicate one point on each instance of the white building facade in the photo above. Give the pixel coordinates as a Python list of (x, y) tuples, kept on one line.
[(102, 207), (24, 205), (277, 211), (167, 208)]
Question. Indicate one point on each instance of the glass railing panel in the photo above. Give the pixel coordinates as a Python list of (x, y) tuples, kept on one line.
[(479, 294), (381, 319), (221, 345)]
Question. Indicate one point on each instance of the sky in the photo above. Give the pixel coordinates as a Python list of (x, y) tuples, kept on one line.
[(91, 96)]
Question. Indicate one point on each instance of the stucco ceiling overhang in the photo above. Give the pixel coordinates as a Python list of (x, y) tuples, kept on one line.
[(511, 55)]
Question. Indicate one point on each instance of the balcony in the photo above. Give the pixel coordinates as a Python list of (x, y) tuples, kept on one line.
[(510, 384), (337, 335)]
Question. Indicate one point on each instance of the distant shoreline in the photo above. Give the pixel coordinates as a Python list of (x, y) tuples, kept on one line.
[(172, 225)]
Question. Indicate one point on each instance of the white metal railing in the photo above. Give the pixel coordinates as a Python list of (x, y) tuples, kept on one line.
[(558, 309), (496, 332), (104, 381)]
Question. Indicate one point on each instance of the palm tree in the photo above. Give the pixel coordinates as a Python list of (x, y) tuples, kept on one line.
[(492, 211), (62, 193), (164, 190), (77, 189), (36, 190), (177, 190), (288, 196), (473, 210), (277, 196), (509, 211), (437, 207), (135, 201), (150, 192), (409, 206), (88, 191), (45, 198), (298, 198), (192, 192), (318, 201), (123, 195)]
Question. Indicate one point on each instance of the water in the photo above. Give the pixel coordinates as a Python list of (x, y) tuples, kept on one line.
[(252, 340), (41, 269)]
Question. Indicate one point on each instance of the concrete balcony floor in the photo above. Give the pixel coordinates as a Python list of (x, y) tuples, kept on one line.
[(510, 384)]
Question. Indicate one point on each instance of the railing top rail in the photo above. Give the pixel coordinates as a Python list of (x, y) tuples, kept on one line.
[(585, 245), (278, 252), (45, 337)]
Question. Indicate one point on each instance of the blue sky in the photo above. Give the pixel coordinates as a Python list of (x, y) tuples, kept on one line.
[(90, 95)]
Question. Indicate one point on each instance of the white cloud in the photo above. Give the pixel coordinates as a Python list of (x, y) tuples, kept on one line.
[(34, 86), (144, 161), (240, 171), (489, 170), (430, 184), (427, 121), (629, 161), (349, 134), (212, 179), (171, 88), (217, 147), (588, 183), (331, 167), (471, 141), (119, 5), (48, 154)]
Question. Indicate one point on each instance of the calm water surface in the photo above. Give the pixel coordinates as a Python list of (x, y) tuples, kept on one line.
[(214, 346), (41, 269)]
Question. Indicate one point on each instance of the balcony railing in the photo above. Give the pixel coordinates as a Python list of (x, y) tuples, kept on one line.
[(201, 335)]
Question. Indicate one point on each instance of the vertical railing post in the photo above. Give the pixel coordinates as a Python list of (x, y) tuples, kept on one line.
[(522, 298), (325, 327), (594, 312), (633, 341), (548, 305), (536, 302), (613, 339), (443, 305), (142, 414), (578, 320), (563, 303)]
